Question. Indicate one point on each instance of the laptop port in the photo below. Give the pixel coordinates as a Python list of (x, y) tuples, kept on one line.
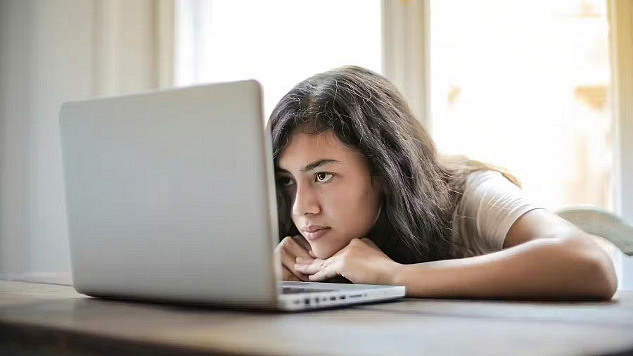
[(307, 301), (341, 297), (332, 298)]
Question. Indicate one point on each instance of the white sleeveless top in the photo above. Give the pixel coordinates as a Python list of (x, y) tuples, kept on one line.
[(488, 208)]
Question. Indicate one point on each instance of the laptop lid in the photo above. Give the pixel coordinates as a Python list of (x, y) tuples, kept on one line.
[(170, 195)]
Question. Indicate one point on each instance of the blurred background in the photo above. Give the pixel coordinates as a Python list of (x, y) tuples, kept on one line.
[(542, 88)]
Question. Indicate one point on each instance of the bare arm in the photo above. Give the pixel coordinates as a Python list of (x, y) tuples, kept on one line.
[(544, 256)]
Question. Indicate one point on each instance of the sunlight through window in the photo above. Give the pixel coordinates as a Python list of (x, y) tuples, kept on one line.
[(525, 86)]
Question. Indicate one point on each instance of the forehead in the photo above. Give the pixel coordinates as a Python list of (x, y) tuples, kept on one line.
[(305, 148)]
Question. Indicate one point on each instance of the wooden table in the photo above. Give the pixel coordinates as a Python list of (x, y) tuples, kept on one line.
[(53, 319)]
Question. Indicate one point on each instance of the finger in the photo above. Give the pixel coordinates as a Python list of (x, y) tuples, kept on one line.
[(311, 268), (304, 261), (288, 261), (301, 241), (326, 273), (294, 248), (282, 243)]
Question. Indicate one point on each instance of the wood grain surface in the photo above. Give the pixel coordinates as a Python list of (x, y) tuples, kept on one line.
[(55, 319)]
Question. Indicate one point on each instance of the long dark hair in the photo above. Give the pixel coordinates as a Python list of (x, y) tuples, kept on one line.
[(368, 114)]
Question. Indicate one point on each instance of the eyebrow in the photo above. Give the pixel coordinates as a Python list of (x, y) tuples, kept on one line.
[(313, 165)]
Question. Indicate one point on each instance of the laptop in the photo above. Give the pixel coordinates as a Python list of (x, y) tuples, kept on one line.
[(170, 197)]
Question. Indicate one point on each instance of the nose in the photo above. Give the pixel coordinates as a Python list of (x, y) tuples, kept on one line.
[(306, 201)]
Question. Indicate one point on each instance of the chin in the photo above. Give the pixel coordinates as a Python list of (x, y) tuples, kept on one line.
[(324, 252)]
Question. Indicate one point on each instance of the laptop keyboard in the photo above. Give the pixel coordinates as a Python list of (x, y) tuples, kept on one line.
[(297, 290)]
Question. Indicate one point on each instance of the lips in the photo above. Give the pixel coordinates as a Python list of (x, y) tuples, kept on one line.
[(313, 232)]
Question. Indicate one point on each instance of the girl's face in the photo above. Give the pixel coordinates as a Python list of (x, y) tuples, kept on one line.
[(334, 198)]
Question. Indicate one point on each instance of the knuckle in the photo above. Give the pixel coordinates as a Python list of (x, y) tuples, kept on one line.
[(300, 241), (285, 243), (289, 240)]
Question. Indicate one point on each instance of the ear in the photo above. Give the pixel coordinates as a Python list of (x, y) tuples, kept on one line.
[(378, 183)]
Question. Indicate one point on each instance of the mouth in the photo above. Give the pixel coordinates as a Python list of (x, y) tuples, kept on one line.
[(312, 234)]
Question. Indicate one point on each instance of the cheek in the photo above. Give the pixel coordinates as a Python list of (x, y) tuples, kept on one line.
[(350, 212), (353, 210)]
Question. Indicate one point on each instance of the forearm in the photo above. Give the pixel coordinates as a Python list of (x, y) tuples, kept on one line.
[(542, 268)]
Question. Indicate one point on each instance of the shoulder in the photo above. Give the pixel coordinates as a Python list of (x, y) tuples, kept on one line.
[(483, 186), (490, 204), (487, 178)]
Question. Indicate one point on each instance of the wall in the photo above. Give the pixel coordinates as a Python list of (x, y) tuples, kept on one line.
[(51, 52)]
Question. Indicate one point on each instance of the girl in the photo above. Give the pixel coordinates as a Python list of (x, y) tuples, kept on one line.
[(363, 195)]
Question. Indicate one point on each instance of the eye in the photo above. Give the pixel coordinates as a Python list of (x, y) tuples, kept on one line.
[(285, 181), (323, 177)]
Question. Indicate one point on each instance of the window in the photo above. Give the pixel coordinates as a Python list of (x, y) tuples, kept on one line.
[(524, 85), (279, 42), (520, 85)]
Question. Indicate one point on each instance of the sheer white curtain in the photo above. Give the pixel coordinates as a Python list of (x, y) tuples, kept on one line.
[(54, 51)]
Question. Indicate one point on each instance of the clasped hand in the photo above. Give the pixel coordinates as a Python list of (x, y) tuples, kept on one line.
[(361, 261)]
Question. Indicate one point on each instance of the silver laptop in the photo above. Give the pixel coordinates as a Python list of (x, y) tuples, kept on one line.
[(170, 197)]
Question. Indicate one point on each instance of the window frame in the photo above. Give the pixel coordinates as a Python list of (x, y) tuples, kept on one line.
[(621, 37)]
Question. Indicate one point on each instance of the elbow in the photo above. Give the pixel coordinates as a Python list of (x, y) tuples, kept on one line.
[(599, 280), (606, 280)]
